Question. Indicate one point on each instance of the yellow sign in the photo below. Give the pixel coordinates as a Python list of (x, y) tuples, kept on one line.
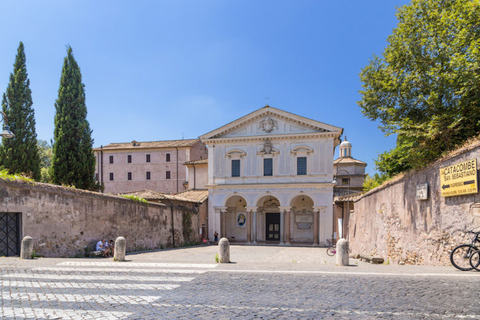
[(459, 179)]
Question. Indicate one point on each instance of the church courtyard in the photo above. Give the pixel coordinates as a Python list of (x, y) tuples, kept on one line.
[(267, 282)]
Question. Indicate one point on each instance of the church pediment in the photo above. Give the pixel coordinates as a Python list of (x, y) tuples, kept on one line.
[(269, 121)]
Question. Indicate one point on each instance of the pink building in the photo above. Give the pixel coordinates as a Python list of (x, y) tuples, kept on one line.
[(153, 165)]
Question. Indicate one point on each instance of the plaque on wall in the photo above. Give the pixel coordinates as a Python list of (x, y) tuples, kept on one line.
[(304, 219), (422, 191)]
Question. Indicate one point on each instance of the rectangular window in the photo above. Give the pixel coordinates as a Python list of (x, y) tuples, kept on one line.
[(235, 168), (345, 181), (301, 166), (148, 158), (167, 175), (148, 175), (111, 159), (167, 157), (129, 158), (129, 176), (111, 176), (268, 167)]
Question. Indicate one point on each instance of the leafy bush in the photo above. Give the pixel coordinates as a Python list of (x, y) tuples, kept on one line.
[(136, 199)]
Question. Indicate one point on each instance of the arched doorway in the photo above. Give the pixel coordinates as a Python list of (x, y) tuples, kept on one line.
[(235, 219), (270, 221), (303, 225)]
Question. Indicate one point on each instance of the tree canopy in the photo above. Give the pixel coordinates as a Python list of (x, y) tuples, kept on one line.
[(425, 86), (45, 154), (73, 162), (19, 154)]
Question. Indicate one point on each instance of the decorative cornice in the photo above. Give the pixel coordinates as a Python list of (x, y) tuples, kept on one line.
[(320, 209), (236, 153), (273, 186), (302, 149), (273, 137)]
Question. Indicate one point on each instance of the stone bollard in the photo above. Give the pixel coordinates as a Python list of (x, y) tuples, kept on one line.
[(342, 253), (224, 250), (26, 250), (120, 249)]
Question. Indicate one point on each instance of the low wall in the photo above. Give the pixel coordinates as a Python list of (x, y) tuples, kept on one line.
[(391, 222), (64, 221)]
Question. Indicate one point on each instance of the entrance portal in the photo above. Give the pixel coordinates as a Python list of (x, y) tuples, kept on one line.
[(273, 227)]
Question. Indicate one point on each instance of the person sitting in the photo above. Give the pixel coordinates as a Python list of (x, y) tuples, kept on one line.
[(110, 245), (101, 246)]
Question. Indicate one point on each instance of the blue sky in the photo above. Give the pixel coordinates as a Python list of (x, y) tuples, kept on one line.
[(163, 70)]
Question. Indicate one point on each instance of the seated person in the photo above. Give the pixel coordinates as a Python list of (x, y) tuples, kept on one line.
[(101, 246), (110, 246)]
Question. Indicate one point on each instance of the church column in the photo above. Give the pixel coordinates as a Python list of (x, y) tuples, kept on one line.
[(319, 217), (254, 239), (282, 227), (249, 227), (252, 225), (216, 222), (224, 223), (316, 227), (286, 225)]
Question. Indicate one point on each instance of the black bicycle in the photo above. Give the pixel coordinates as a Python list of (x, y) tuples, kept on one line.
[(464, 257)]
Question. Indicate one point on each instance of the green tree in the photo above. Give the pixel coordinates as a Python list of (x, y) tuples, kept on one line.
[(73, 162), (372, 182), (19, 154), (45, 154), (424, 87)]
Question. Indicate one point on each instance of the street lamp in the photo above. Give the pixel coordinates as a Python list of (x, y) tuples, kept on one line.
[(348, 193), (6, 133)]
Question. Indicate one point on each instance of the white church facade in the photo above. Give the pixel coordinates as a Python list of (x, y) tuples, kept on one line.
[(270, 179)]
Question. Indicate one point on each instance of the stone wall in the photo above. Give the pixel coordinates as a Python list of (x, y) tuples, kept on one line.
[(64, 221), (391, 222)]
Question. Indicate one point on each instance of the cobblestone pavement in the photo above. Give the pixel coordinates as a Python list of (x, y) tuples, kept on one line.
[(170, 285)]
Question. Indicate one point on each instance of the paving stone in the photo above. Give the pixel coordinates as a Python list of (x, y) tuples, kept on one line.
[(153, 286)]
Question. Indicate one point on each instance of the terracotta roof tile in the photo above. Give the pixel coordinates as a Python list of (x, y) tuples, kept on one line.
[(197, 196), (351, 197), (149, 144), (194, 195), (348, 160)]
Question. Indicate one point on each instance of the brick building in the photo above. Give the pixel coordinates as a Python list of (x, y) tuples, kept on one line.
[(153, 165)]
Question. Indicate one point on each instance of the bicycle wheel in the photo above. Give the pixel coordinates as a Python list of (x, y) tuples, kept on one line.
[(331, 252), (460, 256), (475, 260)]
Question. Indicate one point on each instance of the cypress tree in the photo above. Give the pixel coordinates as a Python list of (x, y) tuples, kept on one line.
[(73, 161), (19, 154)]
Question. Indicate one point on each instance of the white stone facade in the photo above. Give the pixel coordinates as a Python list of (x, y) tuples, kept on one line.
[(270, 178)]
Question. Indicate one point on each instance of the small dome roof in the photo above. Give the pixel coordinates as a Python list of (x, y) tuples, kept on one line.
[(345, 144)]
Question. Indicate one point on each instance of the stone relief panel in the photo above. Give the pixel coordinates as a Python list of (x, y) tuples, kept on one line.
[(304, 219), (268, 125)]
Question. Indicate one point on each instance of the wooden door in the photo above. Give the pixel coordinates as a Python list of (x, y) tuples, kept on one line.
[(273, 227)]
